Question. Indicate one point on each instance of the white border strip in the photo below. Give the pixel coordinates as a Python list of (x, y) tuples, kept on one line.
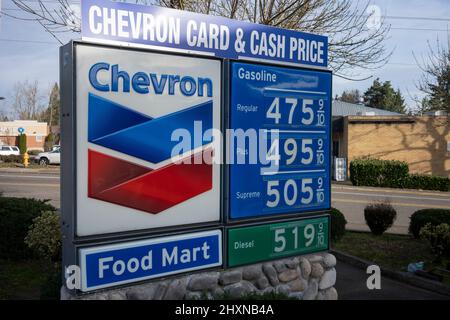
[(292, 171), (295, 91)]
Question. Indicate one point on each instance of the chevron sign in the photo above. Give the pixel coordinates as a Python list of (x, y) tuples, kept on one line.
[(125, 183), (132, 175)]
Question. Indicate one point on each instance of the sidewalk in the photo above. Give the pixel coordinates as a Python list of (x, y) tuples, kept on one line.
[(351, 285)]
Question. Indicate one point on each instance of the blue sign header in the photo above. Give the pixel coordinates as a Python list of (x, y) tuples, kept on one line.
[(116, 264), (184, 31)]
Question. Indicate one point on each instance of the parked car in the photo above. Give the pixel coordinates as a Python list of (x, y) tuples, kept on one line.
[(9, 151), (51, 157)]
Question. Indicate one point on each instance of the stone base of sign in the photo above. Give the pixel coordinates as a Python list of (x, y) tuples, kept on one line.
[(309, 277)]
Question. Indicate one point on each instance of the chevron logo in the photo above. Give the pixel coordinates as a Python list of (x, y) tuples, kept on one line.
[(160, 185)]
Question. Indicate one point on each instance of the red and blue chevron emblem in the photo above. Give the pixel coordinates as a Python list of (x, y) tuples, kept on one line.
[(155, 188)]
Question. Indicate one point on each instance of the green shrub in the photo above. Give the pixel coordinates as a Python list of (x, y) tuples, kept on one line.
[(379, 217), (34, 152), (338, 223), (11, 159), (23, 143), (421, 217), (44, 236), (416, 181), (16, 216), (439, 239), (392, 174), (378, 173)]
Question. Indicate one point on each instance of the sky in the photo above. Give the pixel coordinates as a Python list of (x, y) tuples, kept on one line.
[(28, 52)]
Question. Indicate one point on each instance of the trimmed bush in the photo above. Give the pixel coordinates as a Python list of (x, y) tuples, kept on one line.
[(378, 173), (392, 174), (439, 239), (421, 217), (416, 181), (379, 217), (23, 143), (44, 236), (11, 159), (338, 223), (16, 216)]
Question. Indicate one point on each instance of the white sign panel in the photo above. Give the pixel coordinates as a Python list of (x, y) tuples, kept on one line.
[(144, 140)]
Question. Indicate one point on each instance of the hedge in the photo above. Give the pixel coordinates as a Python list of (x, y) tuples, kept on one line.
[(416, 181), (11, 158), (378, 173), (392, 174), (16, 216), (421, 217)]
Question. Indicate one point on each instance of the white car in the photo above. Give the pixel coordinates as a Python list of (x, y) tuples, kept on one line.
[(51, 157), (9, 151)]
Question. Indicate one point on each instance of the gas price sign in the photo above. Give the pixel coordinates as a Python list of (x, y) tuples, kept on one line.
[(276, 240), (286, 168)]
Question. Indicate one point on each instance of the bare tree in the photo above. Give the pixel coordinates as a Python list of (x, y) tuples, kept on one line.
[(27, 101), (354, 42), (435, 79)]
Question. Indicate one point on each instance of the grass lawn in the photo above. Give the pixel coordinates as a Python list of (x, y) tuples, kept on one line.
[(391, 251), (20, 279)]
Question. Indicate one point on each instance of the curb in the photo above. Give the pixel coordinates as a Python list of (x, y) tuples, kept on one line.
[(27, 170), (405, 277)]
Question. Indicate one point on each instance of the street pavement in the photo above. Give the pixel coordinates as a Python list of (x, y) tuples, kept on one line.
[(351, 285), (43, 184), (351, 201)]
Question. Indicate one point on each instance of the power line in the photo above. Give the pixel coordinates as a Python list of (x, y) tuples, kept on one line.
[(416, 18), (419, 29)]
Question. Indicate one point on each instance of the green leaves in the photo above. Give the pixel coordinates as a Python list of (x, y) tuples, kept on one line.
[(381, 95), (392, 174)]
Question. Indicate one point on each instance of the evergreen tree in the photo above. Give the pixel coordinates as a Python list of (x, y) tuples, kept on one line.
[(381, 95)]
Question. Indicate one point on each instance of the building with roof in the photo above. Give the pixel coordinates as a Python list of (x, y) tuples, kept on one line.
[(36, 132), (422, 141)]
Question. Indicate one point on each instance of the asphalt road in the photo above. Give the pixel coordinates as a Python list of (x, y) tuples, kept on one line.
[(31, 185), (352, 200)]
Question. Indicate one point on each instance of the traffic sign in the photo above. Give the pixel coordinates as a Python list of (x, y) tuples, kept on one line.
[(110, 265), (251, 244), (21, 130), (289, 111)]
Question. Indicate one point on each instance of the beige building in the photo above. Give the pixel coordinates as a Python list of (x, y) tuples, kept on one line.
[(36, 133), (423, 142)]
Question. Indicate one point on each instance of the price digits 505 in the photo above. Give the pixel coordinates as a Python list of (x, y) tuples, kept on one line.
[(295, 192)]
